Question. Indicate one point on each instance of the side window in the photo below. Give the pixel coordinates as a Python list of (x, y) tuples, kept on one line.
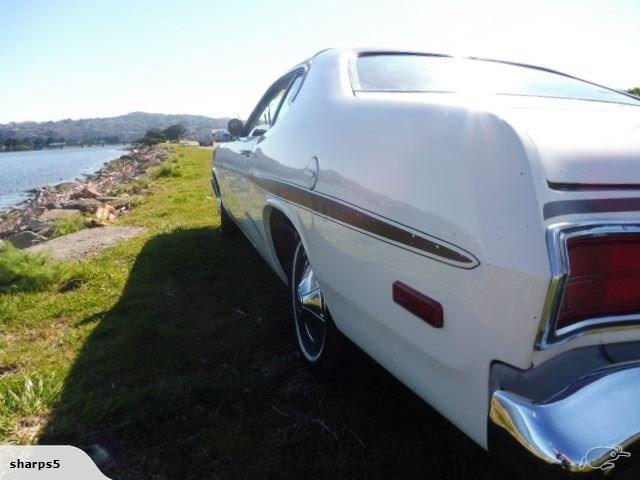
[(267, 116), (291, 95)]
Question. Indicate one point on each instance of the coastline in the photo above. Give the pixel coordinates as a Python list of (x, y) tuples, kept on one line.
[(22, 173), (66, 147), (99, 197)]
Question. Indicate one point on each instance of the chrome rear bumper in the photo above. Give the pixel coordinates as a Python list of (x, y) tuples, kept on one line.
[(589, 429)]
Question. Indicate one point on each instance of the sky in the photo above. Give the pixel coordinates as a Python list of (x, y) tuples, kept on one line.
[(98, 58)]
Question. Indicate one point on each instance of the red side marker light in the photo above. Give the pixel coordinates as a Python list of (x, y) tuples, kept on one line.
[(419, 304)]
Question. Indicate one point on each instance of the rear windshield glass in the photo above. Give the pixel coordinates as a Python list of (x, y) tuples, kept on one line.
[(424, 73)]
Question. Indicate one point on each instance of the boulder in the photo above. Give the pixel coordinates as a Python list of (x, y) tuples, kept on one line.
[(57, 214), (49, 231), (88, 191), (116, 202), (37, 225), (62, 187), (26, 239), (105, 214), (82, 204)]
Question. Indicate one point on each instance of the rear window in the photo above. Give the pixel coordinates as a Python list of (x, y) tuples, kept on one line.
[(428, 73)]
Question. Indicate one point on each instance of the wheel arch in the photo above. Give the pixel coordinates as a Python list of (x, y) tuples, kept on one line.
[(282, 229)]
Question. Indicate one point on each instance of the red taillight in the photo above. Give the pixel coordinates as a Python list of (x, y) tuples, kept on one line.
[(418, 303), (603, 279)]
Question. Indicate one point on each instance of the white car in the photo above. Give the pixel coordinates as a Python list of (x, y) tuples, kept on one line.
[(472, 225)]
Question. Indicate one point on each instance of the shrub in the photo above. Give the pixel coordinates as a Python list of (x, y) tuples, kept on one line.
[(117, 191), (166, 171), (69, 225), (23, 272), (151, 137), (140, 185)]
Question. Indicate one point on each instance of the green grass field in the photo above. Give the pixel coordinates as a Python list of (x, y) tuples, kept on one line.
[(173, 356)]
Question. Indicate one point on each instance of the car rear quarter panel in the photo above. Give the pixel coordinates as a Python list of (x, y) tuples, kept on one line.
[(451, 174)]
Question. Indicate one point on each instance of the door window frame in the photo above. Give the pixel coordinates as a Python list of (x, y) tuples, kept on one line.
[(286, 81)]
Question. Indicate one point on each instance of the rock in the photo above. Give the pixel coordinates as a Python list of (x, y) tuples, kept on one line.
[(106, 213), (116, 202), (65, 186), (37, 225), (26, 239), (86, 242), (88, 191), (13, 214), (49, 231), (57, 214), (82, 204)]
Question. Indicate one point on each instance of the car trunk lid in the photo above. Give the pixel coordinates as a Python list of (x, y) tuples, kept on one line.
[(581, 143)]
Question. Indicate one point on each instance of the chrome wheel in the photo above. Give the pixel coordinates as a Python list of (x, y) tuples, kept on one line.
[(309, 308)]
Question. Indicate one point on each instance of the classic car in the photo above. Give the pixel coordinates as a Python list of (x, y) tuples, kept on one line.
[(472, 225)]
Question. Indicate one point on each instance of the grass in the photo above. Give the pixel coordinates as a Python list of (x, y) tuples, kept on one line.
[(29, 398), (20, 272), (68, 225), (174, 357), (166, 171)]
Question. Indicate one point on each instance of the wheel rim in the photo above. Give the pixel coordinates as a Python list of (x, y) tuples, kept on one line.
[(309, 308)]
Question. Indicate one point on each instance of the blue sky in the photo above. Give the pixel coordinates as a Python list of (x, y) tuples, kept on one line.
[(76, 59)]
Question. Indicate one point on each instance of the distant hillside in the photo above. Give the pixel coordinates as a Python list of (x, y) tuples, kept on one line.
[(124, 128)]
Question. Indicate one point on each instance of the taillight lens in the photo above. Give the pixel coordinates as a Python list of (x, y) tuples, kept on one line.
[(603, 279)]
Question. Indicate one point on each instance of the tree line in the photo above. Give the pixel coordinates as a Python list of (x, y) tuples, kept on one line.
[(12, 143), (153, 136)]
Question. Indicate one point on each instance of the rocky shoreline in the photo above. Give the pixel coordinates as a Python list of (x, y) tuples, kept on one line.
[(95, 200)]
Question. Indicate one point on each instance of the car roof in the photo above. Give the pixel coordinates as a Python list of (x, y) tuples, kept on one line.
[(365, 51)]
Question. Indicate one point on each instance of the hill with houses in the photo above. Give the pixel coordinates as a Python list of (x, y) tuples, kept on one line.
[(92, 131)]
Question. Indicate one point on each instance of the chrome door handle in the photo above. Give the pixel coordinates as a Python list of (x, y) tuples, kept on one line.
[(311, 173)]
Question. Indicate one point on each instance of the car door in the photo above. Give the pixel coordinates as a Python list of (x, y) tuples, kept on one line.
[(234, 158), (264, 161)]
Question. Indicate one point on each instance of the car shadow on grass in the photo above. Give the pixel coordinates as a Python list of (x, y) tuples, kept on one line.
[(193, 374)]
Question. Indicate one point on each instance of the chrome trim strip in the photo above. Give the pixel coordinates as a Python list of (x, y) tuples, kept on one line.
[(584, 187), (594, 322), (557, 236), (590, 205)]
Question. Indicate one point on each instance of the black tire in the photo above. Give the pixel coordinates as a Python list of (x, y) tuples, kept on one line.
[(228, 228), (322, 346)]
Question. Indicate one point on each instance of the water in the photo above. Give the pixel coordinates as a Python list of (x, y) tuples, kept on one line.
[(20, 171)]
